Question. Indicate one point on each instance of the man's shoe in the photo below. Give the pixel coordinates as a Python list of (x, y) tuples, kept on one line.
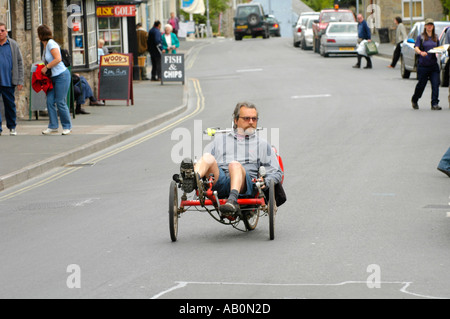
[(81, 111), (96, 103), (13, 132), (356, 66), (414, 105), (50, 131), (66, 132), (229, 208), (188, 175), (368, 67), (444, 171), (436, 107)]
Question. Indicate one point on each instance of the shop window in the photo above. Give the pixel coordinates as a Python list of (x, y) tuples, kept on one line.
[(8, 16), (83, 33), (40, 15), (417, 9), (109, 29)]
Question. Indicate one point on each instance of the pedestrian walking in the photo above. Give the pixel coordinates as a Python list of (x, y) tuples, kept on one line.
[(400, 36), (363, 34), (170, 41), (60, 77), (142, 38), (444, 164), (427, 67), (174, 22), (11, 76), (154, 48)]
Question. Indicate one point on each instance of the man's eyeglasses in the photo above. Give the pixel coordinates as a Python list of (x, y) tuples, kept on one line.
[(248, 118)]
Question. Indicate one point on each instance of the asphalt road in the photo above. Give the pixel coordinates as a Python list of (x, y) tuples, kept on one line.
[(366, 215)]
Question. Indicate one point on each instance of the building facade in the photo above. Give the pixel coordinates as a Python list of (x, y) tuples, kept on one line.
[(77, 26), (389, 9)]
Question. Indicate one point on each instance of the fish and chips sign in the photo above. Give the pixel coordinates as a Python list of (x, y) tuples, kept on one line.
[(172, 68)]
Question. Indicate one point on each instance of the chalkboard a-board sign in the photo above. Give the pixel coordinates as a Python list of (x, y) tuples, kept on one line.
[(116, 77), (172, 68)]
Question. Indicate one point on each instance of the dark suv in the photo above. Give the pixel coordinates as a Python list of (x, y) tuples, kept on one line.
[(250, 20)]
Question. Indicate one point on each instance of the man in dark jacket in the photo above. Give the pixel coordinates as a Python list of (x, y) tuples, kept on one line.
[(11, 75), (363, 34), (154, 48)]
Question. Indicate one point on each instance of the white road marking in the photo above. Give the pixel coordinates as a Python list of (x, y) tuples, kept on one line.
[(249, 70), (182, 284), (309, 96)]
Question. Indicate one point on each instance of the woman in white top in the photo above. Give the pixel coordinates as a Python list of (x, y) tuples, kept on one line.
[(60, 76)]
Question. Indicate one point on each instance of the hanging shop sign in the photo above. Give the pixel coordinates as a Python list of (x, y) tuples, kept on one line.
[(118, 11)]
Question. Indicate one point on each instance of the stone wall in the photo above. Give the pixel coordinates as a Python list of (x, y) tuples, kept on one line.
[(55, 16)]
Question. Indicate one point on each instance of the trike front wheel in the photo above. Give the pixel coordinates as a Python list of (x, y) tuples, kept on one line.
[(173, 211)]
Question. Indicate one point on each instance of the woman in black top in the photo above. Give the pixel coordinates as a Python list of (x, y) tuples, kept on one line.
[(427, 67)]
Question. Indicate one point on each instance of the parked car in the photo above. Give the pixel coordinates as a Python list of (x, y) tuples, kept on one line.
[(408, 57), (307, 34), (443, 60), (274, 26), (298, 27), (250, 20), (326, 16), (339, 38)]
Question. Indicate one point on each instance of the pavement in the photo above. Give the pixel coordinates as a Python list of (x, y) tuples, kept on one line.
[(30, 154)]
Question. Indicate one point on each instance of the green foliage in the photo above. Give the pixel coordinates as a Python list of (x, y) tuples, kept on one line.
[(318, 5), (446, 6)]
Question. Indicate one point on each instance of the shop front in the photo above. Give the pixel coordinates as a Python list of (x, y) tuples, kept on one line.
[(117, 27)]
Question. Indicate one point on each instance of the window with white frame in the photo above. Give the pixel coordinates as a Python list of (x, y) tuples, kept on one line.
[(83, 33), (8, 16), (40, 13), (417, 9)]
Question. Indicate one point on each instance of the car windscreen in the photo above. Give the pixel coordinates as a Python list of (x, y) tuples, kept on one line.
[(338, 17), (343, 28), (247, 10)]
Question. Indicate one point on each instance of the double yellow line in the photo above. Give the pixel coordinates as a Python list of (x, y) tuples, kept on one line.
[(200, 106)]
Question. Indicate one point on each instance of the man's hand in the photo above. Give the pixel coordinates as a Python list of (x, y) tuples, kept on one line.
[(20, 87), (261, 180)]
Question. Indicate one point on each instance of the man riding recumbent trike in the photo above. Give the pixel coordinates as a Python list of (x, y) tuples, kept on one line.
[(239, 178)]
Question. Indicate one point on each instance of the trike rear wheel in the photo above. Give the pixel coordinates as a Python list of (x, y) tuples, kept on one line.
[(173, 211), (271, 207)]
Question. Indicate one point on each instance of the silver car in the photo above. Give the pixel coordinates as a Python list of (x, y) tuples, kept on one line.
[(339, 38), (297, 30), (307, 34), (408, 57)]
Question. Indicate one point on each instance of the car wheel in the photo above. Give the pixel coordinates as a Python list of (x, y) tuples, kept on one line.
[(237, 37), (317, 45), (296, 44), (405, 73)]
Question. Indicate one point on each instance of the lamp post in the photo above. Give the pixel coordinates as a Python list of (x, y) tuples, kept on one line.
[(208, 22)]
